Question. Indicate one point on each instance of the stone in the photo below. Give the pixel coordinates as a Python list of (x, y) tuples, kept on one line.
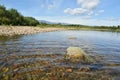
[(85, 69), (77, 54), (69, 70), (72, 37)]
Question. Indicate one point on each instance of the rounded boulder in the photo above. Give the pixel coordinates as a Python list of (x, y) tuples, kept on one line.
[(77, 54)]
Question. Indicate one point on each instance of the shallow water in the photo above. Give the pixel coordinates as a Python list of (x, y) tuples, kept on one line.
[(51, 46)]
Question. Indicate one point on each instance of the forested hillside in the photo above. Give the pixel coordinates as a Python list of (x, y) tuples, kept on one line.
[(13, 17)]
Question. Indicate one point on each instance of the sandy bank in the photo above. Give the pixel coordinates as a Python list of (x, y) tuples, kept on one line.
[(20, 30)]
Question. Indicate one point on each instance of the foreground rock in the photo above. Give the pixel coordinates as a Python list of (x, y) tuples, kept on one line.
[(21, 30), (77, 54), (72, 37)]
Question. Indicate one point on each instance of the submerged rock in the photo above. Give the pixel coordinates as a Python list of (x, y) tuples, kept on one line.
[(69, 70), (72, 37), (85, 69), (77, 54)]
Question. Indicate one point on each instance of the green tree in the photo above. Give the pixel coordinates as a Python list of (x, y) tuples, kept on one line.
[(30, 21), (16, 17), (13, 17), (118, 26)]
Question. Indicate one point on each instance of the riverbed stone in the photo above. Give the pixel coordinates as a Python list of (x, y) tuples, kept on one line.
[(72, 37), (77, 54), (85, 69)]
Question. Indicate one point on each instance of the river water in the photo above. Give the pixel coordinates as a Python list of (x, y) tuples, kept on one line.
[(26, 48)]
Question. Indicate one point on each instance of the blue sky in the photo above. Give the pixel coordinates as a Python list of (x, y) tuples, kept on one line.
[(85, 12)]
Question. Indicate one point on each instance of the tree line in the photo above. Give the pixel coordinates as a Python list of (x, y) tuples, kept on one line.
[(14, 18)]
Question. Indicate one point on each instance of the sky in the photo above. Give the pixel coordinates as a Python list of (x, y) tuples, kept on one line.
[(84, 12)]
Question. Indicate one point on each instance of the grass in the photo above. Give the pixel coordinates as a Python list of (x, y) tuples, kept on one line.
[(81, 27)]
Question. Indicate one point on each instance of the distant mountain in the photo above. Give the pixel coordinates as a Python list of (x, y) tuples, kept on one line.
[(49, 22)]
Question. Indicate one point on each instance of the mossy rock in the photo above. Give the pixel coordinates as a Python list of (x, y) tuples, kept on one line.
[(76, 54)]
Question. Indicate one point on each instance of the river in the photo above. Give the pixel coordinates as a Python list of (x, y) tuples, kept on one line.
[(51, 46)]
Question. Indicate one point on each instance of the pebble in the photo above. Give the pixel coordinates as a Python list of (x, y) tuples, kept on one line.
[(85, 69), (22, 30), (69, 70)]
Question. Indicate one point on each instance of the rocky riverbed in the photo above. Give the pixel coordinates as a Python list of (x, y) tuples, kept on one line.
[(43, 56), (21, 30)]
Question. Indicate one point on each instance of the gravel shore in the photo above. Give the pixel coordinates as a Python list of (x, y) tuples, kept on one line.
[(23, 30)]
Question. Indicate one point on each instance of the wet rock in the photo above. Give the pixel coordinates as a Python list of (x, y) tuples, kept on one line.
[(85, 69), (72, 37), (69, 70), (48, 74), (77, 54), (15, 70), (5, 70)]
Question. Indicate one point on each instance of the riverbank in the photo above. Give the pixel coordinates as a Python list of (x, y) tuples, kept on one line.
[(82, 27), (23, 30)]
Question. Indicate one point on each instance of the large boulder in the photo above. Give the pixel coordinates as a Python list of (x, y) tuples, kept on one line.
[(77, 54)]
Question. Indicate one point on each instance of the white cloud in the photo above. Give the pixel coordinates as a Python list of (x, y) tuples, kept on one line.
[(47, 4), (75, 11), (90, 13), (86, 7), (50, 4), (88, 4)]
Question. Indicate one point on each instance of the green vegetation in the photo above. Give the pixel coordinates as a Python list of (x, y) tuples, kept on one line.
[(13, 17), (80, 27)]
